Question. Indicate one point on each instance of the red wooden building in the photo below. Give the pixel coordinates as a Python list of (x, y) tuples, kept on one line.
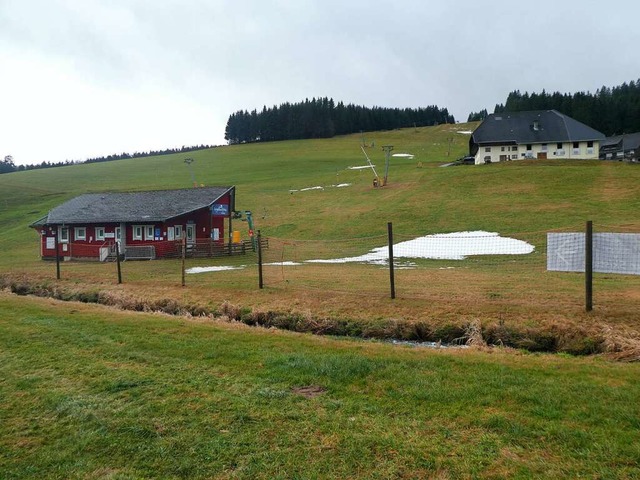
[(144, 224)]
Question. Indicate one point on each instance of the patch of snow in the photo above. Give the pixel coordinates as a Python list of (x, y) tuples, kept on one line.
[(283, 264), (221, 268), (403, 155), (465, 132), (446, 246), (360, 167), (449, 246), (341, 185)]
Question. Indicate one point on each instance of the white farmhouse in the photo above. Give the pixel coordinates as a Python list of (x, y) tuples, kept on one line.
[(537, 134)]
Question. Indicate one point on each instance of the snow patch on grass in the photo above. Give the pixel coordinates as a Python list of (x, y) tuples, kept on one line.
[(360, 167), (446, 246), (449, 246), (220, 268)]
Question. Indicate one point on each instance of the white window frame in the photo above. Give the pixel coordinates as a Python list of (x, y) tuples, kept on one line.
[(178, 230), (543, 147), (487, 149), (136, 232), (100, 231), (149, 232), (171, 234), (76, 233), (63, 238)]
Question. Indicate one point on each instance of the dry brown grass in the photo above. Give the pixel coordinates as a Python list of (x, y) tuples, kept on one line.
[(622, 343), (513, 304), (473, 335)]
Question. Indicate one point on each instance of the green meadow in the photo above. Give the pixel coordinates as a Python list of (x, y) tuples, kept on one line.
[(518, 197), (94, 392), (523, 199)]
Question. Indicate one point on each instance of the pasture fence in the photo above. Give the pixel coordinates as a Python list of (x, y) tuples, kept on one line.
[(465, 267), (545, 270)]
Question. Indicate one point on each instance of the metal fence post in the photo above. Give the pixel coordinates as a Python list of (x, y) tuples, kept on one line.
[(588, 266), (392, 279)]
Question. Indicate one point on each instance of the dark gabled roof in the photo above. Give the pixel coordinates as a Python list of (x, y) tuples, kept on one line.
[(540, 126), (630, 141), (150, 206), (41, 222)]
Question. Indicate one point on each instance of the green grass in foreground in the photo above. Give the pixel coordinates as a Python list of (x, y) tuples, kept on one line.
[(89, 392)]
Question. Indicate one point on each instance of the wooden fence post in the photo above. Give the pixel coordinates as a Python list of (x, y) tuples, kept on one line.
[(588, 266), (260, 278), (57, 256), (184, 254), (392, 279), (118, 262)]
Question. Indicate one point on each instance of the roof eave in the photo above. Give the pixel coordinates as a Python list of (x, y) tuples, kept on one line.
[(229, 189)]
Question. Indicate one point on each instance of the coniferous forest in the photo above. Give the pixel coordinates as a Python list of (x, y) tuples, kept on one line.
[(612, 111), (322, 118)]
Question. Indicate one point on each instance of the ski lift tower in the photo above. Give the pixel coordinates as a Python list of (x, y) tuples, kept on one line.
[(387, 150)]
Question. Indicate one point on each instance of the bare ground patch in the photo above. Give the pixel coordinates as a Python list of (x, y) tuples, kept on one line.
[(309, 391)]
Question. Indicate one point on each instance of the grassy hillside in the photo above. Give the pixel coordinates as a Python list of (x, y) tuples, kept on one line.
[(421, 198), (95, 392), (524, 199)]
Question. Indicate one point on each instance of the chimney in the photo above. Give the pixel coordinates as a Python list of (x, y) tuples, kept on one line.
[(536, 125)]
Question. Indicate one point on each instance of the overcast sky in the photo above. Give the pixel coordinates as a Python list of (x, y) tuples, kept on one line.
[(84, 78)]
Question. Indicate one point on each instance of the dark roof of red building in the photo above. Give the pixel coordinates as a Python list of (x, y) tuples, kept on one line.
[(127, 207)]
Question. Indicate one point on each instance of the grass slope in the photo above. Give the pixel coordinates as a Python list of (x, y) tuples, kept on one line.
[(421, 198), (101, 394), (524, 199)]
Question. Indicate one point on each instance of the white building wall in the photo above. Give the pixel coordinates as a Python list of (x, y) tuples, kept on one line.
[(498, 153)]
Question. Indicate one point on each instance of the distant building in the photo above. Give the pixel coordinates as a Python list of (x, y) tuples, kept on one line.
[(147, 224), (621, 147), (537, 134)]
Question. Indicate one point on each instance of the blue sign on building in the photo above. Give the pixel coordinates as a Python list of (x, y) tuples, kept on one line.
[(220, 209)]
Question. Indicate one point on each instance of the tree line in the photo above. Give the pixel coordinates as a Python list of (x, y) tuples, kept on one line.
[(323, 118), (7, 165), (612, 111), (478, 116)]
